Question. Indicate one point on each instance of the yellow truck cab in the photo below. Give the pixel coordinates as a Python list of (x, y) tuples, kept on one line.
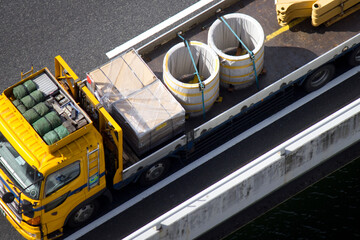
[(52, 165)]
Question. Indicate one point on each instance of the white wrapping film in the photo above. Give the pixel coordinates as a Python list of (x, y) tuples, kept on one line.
[(150, 116), (237, 70), (177, 65), (146, 111), (120, 77)]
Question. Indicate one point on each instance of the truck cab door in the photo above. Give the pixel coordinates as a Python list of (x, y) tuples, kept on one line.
[(63, 191)]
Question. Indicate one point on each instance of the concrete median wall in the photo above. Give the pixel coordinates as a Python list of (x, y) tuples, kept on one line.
[(258, 178)]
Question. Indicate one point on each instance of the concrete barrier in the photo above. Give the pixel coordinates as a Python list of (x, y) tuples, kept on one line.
[(258, 178)]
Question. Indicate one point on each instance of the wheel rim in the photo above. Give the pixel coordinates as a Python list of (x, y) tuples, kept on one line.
[(84, 213), (155, 172), (357, 56), (319, 78)]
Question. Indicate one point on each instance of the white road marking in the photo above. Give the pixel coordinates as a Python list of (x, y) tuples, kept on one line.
[(161, 26)]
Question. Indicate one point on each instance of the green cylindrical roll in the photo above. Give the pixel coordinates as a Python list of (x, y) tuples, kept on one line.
[(42, 126), (41, 108), (22, 109), (47, 123), (36, 112), (61, 131), (55, 135), (24, 89), (51, 137), (37, 95), (16, 102), (31, 115), (53, 118), (28, 101), (33, 98), (30, 85), (19, 91)]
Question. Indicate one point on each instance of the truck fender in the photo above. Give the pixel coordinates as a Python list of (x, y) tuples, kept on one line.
[(103, 193)]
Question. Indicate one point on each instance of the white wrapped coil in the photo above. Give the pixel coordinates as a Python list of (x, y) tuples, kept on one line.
[(237, 71), (178, 69)]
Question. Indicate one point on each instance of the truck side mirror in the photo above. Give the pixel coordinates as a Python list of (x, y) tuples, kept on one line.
[(8, 197), (27, 208)]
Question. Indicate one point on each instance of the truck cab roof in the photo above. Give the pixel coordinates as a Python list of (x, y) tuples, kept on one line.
[(31, 135)]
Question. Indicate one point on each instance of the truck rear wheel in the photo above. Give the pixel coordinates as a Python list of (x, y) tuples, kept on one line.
[(319, 77), (154, 173), (354, 58), (83, 214)]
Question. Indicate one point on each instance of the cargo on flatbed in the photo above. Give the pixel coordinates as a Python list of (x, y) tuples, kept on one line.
[(289, 59)]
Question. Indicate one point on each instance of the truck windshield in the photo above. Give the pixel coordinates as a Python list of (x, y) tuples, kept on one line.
[(25, 176)]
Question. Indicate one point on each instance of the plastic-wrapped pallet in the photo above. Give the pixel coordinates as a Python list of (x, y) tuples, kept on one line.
[(120, 77), (138, 101), (149, 116)]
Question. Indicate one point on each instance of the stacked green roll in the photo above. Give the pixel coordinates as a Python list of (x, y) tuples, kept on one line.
[(36, 112), (32, 99), (24, 89), (30, 102), (27, 96), (19, 106), (47, 123), (55, 135)]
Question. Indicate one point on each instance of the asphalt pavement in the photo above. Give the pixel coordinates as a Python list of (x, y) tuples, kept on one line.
[(34, 32)]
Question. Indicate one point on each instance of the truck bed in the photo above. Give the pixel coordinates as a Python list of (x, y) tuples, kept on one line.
[(284, 53), (291, 53)]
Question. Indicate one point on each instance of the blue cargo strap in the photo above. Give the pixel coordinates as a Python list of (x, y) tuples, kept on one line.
[(201, 85), (252, 56)]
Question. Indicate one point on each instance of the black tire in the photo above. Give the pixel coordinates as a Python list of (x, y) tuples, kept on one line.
[(319, 77), (83, 214), (154, 173), (354, 58)]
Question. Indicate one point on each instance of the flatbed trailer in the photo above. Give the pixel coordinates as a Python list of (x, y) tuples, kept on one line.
[(292, 55)]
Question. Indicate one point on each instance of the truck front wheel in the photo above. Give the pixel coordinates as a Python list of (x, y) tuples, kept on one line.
[(154, 173), (319, 77), (82, 214)]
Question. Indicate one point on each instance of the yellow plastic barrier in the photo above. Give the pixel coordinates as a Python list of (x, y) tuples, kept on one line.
[(321, 11), (288, 10), (285, 19), (346, 13), (286, 6), (322, 6), (331, 13)]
